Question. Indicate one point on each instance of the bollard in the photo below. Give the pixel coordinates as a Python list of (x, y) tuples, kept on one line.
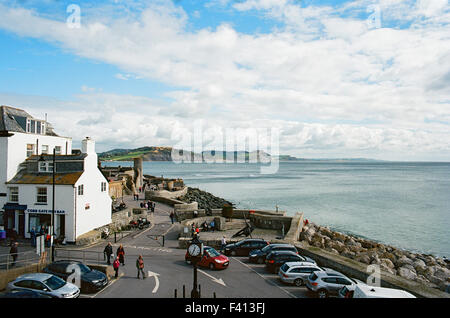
[(115, 237), (175, 293), (214, 295), (184, 291), (164, 237), (199, 291)]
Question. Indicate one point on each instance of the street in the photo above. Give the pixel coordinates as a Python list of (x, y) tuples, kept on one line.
[(169, 272)]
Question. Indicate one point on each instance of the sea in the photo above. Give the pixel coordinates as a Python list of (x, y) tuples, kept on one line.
[(403, 204)]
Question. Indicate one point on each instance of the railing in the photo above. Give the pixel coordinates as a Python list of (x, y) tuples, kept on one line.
[(91, 257), (23, 259)]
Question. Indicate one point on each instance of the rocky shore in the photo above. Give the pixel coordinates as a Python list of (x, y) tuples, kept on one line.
[(426, 269), (204, 199)]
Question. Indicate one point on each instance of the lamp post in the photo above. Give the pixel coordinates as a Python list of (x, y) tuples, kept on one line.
[(195, 250)]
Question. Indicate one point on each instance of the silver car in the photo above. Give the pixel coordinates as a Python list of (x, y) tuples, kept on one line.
[(47, 284), (297, 273), (328, 282)]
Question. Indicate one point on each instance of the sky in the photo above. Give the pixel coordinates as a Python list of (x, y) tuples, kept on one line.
[(335, 79)]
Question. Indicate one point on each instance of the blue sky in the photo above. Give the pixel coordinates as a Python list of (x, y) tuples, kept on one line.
[(334, 81)]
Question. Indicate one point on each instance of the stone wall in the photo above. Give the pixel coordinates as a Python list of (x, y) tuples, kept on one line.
[(165, 194)]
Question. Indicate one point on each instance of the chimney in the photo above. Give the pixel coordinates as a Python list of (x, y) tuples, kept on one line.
[(88, 146)]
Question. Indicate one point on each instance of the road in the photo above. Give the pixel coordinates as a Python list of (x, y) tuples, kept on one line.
[(170, 272)]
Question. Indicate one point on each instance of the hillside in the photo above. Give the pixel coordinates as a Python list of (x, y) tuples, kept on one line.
[(165, 154)]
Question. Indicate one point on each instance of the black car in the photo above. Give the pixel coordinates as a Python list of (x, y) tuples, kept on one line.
[(259, 255), (91, 279), (276, 259), (242, 248), (22, 293)]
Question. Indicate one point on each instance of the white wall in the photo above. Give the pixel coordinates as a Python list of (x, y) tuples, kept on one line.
[(13, 151), (99, 212)]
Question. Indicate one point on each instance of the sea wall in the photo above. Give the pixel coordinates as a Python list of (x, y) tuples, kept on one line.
[(149, 194)]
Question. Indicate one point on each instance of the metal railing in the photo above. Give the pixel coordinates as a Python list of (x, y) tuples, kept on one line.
[(22, 259), (91, 257)]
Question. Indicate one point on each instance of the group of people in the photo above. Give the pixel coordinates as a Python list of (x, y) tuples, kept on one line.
[(120, 260), (149, 205), (43, 231), (208, 226)]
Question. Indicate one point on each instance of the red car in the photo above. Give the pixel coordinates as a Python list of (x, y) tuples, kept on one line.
[(210, 258)]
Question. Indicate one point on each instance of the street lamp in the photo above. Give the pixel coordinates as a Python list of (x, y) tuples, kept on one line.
[(52, 224)]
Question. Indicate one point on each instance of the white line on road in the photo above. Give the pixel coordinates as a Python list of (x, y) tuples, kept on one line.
[(218, 281), (150, 274)]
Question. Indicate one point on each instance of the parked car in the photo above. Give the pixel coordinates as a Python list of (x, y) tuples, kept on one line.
[(46, 284), (259, 255), (297, 273), (367, 291), (277, 258), (91, 279), (243, 248), (210, 258), (328, 282), (22, 293)]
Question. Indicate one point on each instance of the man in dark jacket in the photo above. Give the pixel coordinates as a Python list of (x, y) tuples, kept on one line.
[(108, 252), (13, 252)]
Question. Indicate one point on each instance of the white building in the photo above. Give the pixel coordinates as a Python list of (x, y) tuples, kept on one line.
[(82, 202)]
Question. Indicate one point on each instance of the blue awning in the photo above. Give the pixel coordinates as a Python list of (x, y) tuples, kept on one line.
[(12, 206)]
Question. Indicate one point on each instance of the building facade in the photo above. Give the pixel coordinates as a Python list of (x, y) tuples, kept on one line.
[(81, 200)]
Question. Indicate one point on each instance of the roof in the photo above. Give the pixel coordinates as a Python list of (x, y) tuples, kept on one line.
[(25, 177), (58, 158), (380, 292), (8, 121), (11, 119), (35, 276)]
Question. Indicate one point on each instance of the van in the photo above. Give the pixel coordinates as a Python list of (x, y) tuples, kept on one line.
[(367, 291)]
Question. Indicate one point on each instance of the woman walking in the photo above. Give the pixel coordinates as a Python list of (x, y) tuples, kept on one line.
[(121, 254)]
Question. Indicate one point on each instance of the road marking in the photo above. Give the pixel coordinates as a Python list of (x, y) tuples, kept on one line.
[(107, 286), (150, 274), (272, 283), (218, 281)]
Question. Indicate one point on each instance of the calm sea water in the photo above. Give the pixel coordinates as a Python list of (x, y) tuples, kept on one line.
[(406, 205)]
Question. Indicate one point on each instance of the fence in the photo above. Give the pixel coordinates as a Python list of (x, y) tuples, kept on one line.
[(90, 257), (23, 259)]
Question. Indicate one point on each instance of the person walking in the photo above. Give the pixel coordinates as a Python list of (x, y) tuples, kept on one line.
[(149, 205), (116, 265), (33, 236), (121, 254), (14, 252), (140, 267), (108, 252), (172, 216), (223, 243), (153, 206)]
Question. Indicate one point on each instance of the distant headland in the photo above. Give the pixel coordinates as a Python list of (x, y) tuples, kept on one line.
[(153, 153)]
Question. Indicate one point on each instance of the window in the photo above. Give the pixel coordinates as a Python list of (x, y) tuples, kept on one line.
[(42, 128), (45, 166), (103, 186), (28, 125), (45, 149), (30, 150), (81, 189), (57, 150), (33, 126), (14, 194), (41, 196)]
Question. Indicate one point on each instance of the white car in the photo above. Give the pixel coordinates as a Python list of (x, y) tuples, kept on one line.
[(47, 284), (367, 291), (297, 272)]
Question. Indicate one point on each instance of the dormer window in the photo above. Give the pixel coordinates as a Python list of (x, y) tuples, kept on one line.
[(45, 166), (35, 127)]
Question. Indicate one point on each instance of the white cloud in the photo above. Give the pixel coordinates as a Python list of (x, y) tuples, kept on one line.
[(335, 84)]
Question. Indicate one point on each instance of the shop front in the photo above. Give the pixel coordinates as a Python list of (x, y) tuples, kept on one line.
[(39, 219), (14, 219)]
